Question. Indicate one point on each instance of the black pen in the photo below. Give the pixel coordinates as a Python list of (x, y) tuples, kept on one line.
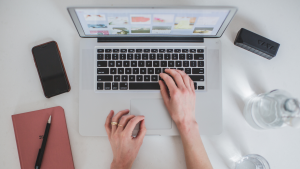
[(39, 158)]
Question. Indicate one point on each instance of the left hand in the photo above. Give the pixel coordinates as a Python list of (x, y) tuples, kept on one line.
[(125, 147)]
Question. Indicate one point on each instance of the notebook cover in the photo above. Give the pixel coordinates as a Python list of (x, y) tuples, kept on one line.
[(29, 130)]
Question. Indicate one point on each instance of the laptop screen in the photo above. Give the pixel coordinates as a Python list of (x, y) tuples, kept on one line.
[(150, 21)]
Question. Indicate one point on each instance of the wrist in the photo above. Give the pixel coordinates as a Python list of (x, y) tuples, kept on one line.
[(119, 165), (186, 126)]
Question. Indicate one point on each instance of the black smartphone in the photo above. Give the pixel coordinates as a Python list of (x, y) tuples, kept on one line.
[(51, 69)]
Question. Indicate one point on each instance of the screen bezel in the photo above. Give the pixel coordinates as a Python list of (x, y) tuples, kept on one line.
[(232, 11)]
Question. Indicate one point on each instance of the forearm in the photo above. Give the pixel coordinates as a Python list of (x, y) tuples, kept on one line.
[(195, 154)]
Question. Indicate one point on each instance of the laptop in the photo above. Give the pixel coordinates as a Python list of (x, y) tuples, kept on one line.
[(123, 50)]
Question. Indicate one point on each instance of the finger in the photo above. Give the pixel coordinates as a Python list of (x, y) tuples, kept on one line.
[(107, 122), (164, 92), (124, 120), (177, 77), (186, 79), (116, 119), (169, 82), (142, 132), (192, 85), (132, 123)]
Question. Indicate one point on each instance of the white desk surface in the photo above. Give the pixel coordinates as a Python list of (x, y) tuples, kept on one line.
[(24, 24)]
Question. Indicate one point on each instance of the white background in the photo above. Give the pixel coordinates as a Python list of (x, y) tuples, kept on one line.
[(26, 23)]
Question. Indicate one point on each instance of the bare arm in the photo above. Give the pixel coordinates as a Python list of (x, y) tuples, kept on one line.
[(180, 102)]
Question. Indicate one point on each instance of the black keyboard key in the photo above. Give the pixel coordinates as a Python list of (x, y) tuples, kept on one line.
[(124, 77), (102, 70), (200, 63), (148, 63), (115, 86), (126, 63), (180, 68), (143, 70), (162, 50), (175, 56), (178, 63), (170, 63), (154, 78), (123, 86), (113, 71), (141, 63), (155, 63), (157, 70), (198, 56), (107, 50), (99, 85), (189, 56), (200, 50), (117, 78), (177, 50), (188, 70), (131, 50), (193, 64), (193, 50), (145, 56), (201, 87), (146, 50), (100, 50), (139, 50), (107, 56), (129, 56), (137, 56), (186, 64), (181, 56), (133, 63), (150, 70), (131, 77), (104, 78), (185, 50), (100, 56), (154, 50), (197, 77), (102, 63), (111, 63), (118, 63), (163, 64), (120, 70), (127, 70), (144, 86), (124, 50), (122, 56), (135, 71), (198, 71), (167, 56), (170, 50), (107, 86), (160, 56), (147, 78), (115, 56), (152, 56), (115, 50), (139, 78), (195, 85)]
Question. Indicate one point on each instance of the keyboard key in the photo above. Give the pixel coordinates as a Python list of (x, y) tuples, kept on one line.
[(102, 70), (154, 50), (126, 63), (189, 56), (118, 63), (185, 50), (193, 64), (170, 63), (187, 70), (107, 50), (193, 50), (115, 86), (143, 70), (185, 63), (162, 50), (160, 56), (198, 56), (124, 77), (136, 71), (115, 50), (200, 63), (131, 77), (139, 50), (167, 56), (200, 50), (148, 63), (146, 50), (115, 56), (181, 56), (122, 56), (139, 78), (123, 86), (155, 63), (147, 78), (163, 64), (157, 70), (144, 86), (154, 78), (100, 56), (170, 50), (198, 71), (180, 68), (111, 63), (131, 50), (129, 56), (104, 78), (177, 50), (113, 70), (152, 56), (201, 87), (178, 63), (175, 56), (99, 85), (117, 78), (195, 85), (133, 63), (127, 70), (107, 86), (102, 63), (145, 56), (100, 50), (107, 56), (120, 70), (197, 77), (141, 63), (137, 56), (150, 70), (124, 50)]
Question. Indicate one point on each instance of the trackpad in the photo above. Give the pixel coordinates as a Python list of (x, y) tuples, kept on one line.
[(155, 112)]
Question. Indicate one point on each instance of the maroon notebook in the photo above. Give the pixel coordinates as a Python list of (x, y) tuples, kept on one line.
[(29, 130)]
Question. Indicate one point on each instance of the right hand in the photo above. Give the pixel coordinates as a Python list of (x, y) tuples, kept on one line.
[(180, 100)]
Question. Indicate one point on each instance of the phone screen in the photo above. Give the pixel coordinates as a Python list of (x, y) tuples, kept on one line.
[(50, 68)]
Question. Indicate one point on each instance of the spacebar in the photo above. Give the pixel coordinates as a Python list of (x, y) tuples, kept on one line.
[(144, 86)]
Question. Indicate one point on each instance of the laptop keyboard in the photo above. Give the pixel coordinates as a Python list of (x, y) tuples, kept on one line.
[(139, 69)]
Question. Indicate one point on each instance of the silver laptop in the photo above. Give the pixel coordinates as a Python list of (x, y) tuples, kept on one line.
[(123, 50)]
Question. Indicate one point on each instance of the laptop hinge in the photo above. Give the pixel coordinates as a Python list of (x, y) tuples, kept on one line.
[(151, 39)]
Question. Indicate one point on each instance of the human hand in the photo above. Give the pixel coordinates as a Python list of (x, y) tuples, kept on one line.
[(180, 101), (125, 147)]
